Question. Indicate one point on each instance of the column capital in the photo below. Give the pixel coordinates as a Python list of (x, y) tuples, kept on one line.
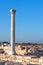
[(12, 11)]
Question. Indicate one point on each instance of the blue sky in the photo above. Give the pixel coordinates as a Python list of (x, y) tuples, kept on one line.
[(28, 22)]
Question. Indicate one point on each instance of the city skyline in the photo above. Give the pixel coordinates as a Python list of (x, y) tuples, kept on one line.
[(28, 20)]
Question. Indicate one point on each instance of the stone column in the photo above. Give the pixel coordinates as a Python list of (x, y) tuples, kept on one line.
[(12, 38)]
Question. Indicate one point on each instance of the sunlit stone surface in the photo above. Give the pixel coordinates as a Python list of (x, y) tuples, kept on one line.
[(12, 37)]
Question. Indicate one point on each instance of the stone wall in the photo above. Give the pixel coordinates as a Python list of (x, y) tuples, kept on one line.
[(21, 59)]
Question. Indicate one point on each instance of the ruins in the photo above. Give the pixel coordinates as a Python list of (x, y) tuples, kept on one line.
[(20, 54)]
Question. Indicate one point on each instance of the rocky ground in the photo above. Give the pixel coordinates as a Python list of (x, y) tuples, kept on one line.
[(26, 54), (12, 63)]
